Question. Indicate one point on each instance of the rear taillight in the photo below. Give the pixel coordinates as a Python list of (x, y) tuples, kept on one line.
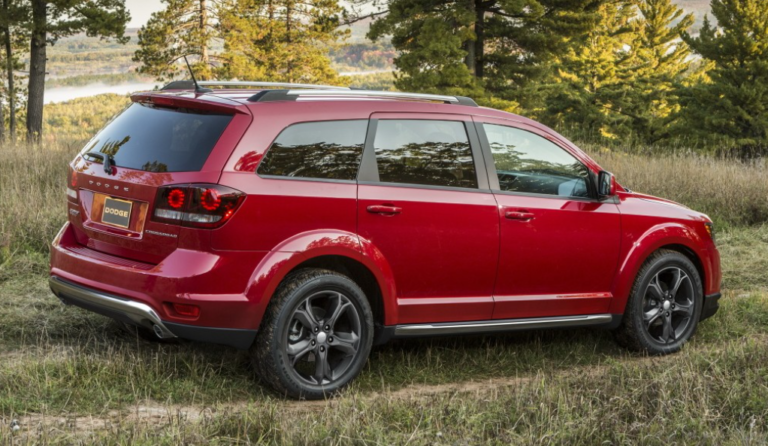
[(196, 205), (72, 186)]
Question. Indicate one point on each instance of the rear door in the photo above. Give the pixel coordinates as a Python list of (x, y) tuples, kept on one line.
[(424, 202), (149, 146)]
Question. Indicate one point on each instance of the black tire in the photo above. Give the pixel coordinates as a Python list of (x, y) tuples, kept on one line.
[(305, 349), (660, 318)]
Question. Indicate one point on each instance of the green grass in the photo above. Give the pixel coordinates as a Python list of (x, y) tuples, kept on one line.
[(72, 377)]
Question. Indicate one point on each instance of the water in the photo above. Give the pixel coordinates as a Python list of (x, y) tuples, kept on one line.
[(61, 94)]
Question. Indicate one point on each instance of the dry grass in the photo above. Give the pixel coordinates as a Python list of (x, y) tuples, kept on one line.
[(732, 193), (70, 377)]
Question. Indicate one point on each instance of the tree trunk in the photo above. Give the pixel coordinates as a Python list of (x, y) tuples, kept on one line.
[(204, 31), (480, 41), (289, 66), (2, 124), (11, 88), (470, 61), (36, 70)]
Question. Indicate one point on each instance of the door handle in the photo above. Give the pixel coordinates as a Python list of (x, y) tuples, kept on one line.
[(382, 209), (519, 215)]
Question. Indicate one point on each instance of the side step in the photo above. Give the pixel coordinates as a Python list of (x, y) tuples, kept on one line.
[(504, 325)]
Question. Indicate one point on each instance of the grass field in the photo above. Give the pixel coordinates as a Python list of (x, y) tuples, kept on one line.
[(71, 377)]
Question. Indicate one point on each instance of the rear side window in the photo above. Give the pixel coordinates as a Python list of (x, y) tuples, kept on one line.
[(323, 150), (433, 153), (159, 139)]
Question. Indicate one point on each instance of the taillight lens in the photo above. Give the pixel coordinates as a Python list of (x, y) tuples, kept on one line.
[(196, 205), (72, 186)]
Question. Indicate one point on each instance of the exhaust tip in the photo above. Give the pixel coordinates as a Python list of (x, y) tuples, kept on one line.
[(158, 331)]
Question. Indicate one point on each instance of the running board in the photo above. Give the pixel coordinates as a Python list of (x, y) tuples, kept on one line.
[(479, 327)]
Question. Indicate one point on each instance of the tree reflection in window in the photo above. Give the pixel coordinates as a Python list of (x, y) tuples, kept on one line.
[(526, 162), (324, 150), (435, 153)]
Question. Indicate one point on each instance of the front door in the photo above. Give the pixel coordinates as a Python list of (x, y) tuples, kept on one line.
[(559, 244), (422, 203)]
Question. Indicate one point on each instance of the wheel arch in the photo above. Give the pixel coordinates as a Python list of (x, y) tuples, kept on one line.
[(672, 236), (337, 251)]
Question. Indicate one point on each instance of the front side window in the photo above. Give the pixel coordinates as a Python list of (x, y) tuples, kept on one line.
[(424, 152), (323, 150), (526, 162)]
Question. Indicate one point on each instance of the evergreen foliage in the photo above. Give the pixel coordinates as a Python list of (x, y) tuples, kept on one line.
[(734, 103), (482, 48), (182, 28), (281, 40), (621, 79)]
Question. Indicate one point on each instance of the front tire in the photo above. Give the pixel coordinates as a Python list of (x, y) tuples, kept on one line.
[(315, 336), (664, 306)]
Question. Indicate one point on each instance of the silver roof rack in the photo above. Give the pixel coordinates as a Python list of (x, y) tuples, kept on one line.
[(365, 94), (269, 84)]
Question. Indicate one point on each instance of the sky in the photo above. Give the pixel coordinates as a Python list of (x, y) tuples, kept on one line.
[(141, 10)]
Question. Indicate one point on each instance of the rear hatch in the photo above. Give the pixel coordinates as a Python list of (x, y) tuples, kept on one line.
[(160, 140)]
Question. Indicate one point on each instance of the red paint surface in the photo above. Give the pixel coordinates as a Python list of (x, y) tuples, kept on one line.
[(447, 255)]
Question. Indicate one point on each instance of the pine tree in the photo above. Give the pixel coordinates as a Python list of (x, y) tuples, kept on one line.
[(734, 105), (589, 75), (183, 28), (281, 40), (621, 79), (661, 65), (499, 48)]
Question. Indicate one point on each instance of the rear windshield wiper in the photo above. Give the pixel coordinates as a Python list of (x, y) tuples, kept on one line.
[(105, 159)]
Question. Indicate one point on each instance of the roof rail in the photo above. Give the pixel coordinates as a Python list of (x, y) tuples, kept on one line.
[(270, 84), (188, 85), (288, 95)]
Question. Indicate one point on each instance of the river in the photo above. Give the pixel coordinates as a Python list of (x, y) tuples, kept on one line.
[(61, 94)]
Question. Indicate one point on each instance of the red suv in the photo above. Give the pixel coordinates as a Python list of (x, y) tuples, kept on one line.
[(308, 223)]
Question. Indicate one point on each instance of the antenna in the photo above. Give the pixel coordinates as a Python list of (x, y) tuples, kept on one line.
[(198, 88)]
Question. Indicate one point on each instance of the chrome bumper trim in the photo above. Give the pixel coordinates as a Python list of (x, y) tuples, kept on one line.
[(139, 313)]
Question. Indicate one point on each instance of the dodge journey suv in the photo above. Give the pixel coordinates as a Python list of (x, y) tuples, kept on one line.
[(307, 223)]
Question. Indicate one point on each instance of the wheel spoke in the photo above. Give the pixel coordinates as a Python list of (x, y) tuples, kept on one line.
[(655, 288), (678, 277), (322, 368), (668, 334), (338, 307), (651, 315), (305, 316), (298, 350), (685, 309), (348, 344)]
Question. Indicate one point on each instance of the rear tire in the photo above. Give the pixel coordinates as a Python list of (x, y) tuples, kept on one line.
[(315, 337), (664, 305)]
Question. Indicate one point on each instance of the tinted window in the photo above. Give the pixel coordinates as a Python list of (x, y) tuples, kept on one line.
[(526, 162), (158, 139), (433, 153), (330, 149)]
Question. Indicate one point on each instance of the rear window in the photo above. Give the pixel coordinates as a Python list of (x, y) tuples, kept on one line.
[(323, 150), (159, 139)]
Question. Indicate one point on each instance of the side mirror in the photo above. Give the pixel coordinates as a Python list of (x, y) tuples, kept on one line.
[(606, 184)]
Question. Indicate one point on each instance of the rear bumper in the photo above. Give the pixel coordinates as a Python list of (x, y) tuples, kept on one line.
[(137, 313), (711, 305), (215, 281)]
